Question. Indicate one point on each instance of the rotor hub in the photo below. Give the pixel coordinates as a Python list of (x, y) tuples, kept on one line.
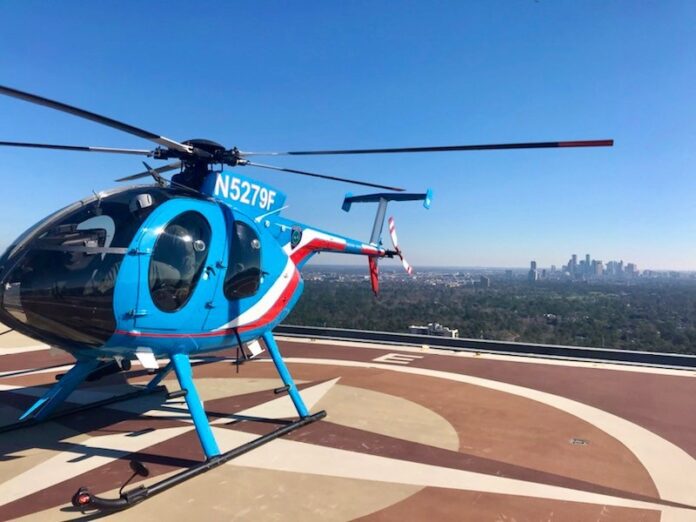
[(211, 147)]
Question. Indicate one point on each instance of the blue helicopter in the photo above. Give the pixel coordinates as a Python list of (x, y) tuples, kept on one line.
[(166, 271)]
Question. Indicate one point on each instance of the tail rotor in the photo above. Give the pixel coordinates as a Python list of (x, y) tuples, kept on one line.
[(395, 243)]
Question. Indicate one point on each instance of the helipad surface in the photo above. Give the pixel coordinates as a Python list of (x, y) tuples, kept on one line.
[(411, 434)]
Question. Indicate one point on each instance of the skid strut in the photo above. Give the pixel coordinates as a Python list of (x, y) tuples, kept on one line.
[(85, 500), (45, 408)]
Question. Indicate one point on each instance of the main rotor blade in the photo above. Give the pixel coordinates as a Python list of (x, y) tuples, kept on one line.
[(39, 100), (446, 148), (166, 168), (322, 176), (141, 152)]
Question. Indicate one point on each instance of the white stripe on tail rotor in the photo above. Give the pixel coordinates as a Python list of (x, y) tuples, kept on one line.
[(395, 242), (407, 267)]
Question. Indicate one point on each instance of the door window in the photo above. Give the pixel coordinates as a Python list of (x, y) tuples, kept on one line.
[(178, 260), (244, 273)]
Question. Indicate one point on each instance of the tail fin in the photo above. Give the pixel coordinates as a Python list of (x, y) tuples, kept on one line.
[(383, 199), (374, 273)]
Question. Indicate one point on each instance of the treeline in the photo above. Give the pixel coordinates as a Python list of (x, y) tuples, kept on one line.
[(647, 316)]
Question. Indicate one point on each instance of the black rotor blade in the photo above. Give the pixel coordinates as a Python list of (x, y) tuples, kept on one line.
[(322, 176), (140, 152), (446, 148), (166, 168), (39, 100)]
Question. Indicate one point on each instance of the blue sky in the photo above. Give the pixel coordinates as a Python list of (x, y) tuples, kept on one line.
[(300, 75)]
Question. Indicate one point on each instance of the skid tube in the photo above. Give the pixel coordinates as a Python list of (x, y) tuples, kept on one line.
[(84, 407), (84, 500)]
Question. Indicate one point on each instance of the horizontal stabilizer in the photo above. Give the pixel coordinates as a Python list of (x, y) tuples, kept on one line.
[(387, 196)]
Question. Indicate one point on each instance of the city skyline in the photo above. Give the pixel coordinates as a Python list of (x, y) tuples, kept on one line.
[(587, 268), (330, 260)]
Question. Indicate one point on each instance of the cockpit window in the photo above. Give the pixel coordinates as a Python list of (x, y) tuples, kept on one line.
[(244, 273), (178, 259), (58, 279)]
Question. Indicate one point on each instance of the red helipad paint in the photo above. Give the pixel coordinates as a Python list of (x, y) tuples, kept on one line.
[(420, 435)]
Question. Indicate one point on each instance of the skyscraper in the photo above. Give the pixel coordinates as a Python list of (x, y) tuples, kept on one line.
[(533, 275), (631, 269), (598, 267)]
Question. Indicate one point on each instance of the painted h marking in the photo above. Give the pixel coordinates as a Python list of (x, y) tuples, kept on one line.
[(397, 358)]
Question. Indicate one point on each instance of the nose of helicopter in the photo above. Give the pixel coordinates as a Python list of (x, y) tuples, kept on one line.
[(56, 297), (57, 281)]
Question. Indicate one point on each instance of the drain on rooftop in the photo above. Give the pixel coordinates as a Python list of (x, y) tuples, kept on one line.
[(579, 442)]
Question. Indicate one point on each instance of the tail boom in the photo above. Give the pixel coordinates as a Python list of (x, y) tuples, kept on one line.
[(314, 241)]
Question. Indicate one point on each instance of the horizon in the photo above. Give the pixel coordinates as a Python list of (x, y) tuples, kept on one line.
[(397, 267), (358, 261)]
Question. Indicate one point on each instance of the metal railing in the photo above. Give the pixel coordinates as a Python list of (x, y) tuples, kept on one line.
[(665, 360)]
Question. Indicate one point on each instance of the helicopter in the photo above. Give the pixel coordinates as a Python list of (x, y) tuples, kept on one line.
[(198, 263)]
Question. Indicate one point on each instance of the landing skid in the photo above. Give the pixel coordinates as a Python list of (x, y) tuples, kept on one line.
[(181, 365), (84, 500)]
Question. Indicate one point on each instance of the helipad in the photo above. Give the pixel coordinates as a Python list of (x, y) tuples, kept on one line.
[(411, 434)]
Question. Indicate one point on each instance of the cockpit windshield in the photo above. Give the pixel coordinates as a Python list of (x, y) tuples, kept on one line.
[(59, 280)]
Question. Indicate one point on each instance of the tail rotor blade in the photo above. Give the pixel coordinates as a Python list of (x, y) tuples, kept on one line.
[(395, 242), (407, 267), (392, 234)]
